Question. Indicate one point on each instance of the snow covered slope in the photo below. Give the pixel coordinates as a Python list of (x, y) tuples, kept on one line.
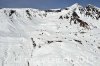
[(55, 37)]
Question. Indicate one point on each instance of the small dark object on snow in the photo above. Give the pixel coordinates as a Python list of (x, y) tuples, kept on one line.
[(34, 44), (11, 12), (49, 42), (78, 41), (98, 47), (59, 41)]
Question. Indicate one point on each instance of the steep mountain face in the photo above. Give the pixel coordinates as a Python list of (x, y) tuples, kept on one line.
[(55, 37)]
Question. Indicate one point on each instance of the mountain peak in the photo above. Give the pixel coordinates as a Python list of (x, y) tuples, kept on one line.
[(91, 6), (76, 5)]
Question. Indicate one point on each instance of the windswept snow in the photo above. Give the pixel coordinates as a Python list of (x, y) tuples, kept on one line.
[(56, 37)]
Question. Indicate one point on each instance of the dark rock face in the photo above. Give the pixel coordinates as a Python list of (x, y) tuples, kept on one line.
[(77, 19), (27, 11), (82, 23), (52, 10), (11, 12), (75, 15), (92, 12), (89, 11)]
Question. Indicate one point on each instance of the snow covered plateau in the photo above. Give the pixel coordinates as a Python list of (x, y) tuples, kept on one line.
[(57, 37)]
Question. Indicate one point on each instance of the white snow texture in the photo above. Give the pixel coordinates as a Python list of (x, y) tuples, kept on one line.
[(55, 37)]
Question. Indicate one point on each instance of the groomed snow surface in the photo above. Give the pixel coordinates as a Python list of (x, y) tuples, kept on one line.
[(32, 37)]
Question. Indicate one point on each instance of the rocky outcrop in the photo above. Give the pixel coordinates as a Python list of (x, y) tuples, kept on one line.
[(82, 23), (11, 12)]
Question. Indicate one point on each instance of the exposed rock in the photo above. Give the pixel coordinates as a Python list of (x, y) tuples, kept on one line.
[(78, 41), (11, 12), (49, 42), (34, 44), (52, 10), (83, 24)]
